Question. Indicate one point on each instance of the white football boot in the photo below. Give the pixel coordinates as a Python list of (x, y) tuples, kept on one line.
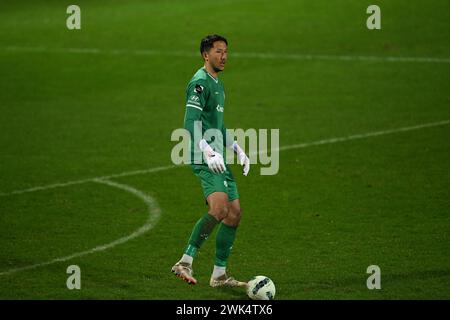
[(184, 271)]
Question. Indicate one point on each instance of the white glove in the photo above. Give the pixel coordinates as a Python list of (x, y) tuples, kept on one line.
[(213, 159), (243, 159)]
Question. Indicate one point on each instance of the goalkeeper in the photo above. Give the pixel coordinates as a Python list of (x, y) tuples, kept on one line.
[(205, 101)]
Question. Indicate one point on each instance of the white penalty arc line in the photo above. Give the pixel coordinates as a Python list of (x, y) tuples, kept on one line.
[(289, 147), (71, 183), (267, 55), (153, 217)]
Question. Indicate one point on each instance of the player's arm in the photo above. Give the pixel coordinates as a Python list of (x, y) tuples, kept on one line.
[(195, 102), (230, 143), (196, 97)]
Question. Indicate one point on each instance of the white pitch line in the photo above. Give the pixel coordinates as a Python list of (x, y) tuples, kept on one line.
[(364, 135), (268, 55), (294, 146), (70, 183), (154, 214), (295, 56)]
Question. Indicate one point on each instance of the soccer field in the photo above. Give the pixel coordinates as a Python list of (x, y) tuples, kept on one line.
[(86, 176)]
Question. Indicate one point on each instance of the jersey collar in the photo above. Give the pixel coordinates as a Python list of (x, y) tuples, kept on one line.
[(209, 74)]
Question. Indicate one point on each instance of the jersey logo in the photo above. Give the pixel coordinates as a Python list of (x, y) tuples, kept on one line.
[(219, 108), (198, 88), (194, 98)]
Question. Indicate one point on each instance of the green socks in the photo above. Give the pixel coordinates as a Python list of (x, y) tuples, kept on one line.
[(202, 229), (224, 242), (224, 238)]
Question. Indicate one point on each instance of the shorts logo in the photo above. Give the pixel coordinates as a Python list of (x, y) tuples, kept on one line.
[(219, 108), (225, 184)]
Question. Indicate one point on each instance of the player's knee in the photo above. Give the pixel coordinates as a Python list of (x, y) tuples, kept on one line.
[(237, 214), (234, 216), (220, 211)]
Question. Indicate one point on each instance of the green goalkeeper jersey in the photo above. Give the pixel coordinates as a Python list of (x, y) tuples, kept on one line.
[(205, 102)]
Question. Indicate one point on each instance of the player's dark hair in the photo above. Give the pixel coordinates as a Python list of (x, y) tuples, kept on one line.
[(208, 42)]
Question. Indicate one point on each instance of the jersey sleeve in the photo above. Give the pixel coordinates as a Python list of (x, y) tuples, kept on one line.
[(196, 97)]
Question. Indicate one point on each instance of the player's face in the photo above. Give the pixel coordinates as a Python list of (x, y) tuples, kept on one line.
[(217, 56)]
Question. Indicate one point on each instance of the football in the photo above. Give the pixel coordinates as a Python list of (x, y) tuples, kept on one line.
[(261, 288)]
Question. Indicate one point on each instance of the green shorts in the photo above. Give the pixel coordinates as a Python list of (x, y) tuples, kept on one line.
[(216, 182)]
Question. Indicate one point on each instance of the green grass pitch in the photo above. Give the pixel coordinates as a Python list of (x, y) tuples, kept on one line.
[(100, 101)]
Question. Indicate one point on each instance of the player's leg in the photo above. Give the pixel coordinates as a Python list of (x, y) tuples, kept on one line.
[(214, 190), (218, 210), (233, 217), (225, 238)]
